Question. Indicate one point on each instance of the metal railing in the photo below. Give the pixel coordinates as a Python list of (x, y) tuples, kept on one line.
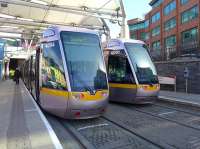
[(156, 54), (189, 47)]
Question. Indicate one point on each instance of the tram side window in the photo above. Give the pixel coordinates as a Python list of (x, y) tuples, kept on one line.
[(119, 70), (52, 66), (32, 73)]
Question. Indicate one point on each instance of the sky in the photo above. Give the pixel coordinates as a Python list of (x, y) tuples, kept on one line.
[(134, 9)]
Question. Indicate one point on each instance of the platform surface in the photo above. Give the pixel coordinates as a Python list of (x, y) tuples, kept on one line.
[(185, 98), (22, 124)]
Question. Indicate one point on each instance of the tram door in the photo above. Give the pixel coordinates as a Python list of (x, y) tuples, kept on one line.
[(32, 76), (37, 74), (121, 81)]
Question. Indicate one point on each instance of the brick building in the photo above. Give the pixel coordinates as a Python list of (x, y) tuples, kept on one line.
[(170, 29)]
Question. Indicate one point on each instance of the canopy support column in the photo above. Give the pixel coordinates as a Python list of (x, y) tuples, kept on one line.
[(123, 25)]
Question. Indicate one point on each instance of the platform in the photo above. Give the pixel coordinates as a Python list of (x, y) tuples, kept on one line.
[(180, 97), (22, 124)]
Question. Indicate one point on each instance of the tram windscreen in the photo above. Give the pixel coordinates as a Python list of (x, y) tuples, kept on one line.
[(84, 61), (142, 63)]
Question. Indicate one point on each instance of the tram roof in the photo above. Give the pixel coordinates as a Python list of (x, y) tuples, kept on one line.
[(123, 40), (52, 33), (19, 16), (117, 44)]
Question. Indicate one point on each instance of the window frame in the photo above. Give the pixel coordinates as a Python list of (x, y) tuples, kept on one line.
[(170, 38), (170, 23), (189, 30), (183, 2), (156, 28), (155, 17), (188, 15), (63, 77), (125, 58), (171, 6)]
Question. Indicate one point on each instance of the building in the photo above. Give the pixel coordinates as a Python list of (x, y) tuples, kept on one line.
[(170, 29)]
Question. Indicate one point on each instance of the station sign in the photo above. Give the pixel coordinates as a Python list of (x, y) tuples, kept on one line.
[(186, 72)]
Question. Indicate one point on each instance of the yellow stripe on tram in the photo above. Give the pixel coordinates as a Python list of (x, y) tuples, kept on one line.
[(85, 95), (54, 92), (134, 86), (117, 85)]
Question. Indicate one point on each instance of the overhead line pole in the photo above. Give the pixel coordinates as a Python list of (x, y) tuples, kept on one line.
[(123, 26)]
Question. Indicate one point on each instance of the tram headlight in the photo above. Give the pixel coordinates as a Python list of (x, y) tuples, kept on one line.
[(77, 96), (104, 94)]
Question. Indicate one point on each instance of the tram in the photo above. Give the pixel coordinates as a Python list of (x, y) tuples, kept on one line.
[(67, 74), (131, 73)]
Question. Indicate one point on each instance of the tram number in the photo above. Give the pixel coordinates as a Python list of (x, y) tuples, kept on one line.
[(49, 45), (117, 53)]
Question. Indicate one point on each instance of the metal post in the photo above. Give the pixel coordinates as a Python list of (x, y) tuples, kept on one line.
[(123, 26), (175, 84), (7, 70), (186, 85)]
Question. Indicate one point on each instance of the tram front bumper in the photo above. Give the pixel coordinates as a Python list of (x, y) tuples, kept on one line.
[(86, 109)]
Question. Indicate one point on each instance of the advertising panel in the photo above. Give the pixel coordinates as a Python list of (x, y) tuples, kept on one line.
[(1, 50)]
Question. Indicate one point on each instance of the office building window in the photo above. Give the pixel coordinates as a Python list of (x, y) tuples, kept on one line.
[(189, 14), (155, 17), (156, 4), (146, 24), (170, 41), (183, 2), (133, 36), (156, 45), (155, 31), (189, 35), (170, 7), (139, 25), (170, 24)]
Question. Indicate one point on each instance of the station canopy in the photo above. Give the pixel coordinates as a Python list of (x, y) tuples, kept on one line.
[(30, 17)]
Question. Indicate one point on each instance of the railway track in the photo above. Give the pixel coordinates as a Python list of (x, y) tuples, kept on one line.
[(146, 121), (102, 133), (181, 117), (140, 127)]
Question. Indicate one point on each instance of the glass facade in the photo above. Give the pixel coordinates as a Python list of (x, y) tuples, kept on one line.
[(183, 2), (144, 36), (170, 41), (155, 17), (146, 24), (170, 7), (155, 31), (156, 45), (189, 35), (189, 14), (138, 26), (133, 36), (2, 44), (170, 24), (157, 3)]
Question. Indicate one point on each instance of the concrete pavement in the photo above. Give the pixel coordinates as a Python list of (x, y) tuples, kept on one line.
[(184, 98), (22, 124)]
